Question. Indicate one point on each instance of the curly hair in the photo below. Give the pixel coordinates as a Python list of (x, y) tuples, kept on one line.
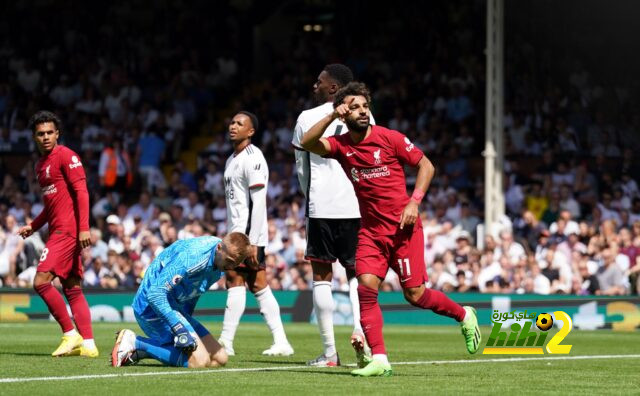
[(352, 89), (43, 116), (340, 73)]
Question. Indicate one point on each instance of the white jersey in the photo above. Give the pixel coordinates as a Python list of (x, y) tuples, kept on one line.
[(329, 192), (242, 172)]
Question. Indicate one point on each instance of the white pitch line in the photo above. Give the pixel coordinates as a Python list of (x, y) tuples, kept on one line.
[(285, 368)]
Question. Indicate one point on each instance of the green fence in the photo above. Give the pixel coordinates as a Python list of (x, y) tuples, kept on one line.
[(587, 312)]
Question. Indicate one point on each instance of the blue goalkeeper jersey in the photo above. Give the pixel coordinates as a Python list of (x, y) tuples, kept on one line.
[(176, 279)]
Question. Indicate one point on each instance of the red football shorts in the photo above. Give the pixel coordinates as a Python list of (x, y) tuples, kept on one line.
[(403, 252), (62, 256)]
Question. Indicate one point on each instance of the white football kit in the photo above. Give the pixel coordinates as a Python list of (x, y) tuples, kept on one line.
[(246, 203)]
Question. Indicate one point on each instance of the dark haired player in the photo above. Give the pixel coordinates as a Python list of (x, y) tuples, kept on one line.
[(66, 210), (333, 218), (390, 236), (245, 182)]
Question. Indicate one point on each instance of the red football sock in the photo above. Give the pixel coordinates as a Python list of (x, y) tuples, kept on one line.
[(439, 303), (80, 309), (371, 319), (56, 305)]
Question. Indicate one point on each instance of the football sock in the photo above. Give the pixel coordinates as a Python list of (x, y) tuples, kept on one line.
[(382, 358), (89, 344), (56, 305), (236, 301), (167, 353), (355, 303), (439, 303), (371, 319), (70, 332), (323, 304), (270, 309), (80, 310)]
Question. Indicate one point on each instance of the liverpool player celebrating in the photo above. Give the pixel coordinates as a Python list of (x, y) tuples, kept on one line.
[(66, 209), (333, 218), (391, 233)]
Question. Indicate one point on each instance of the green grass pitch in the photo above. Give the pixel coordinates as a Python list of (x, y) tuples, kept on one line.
[(428, 359)]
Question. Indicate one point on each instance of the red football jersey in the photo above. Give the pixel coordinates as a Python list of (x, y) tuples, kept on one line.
[(375, 168), (64, 192)]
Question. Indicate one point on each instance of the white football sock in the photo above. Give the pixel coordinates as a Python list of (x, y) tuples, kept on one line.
[(89, 343), (381, 358), (466, 316), (71, 332), (323, 304), (236, 301), (270, 309), (355, 303)]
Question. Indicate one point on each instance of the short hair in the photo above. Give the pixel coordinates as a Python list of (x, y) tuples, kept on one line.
[(353, 88), (252, 117), (240, 243), (339, 73), (43, 116)]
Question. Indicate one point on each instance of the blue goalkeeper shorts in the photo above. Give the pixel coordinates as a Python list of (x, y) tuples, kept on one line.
[(158, 330)]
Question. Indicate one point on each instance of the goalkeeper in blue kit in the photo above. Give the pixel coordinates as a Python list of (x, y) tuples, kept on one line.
[(167, 297)]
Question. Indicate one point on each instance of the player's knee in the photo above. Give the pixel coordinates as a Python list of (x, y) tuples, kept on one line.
[(199, 361), (235, 282), (219, 359), (41, 279), (257, 285), (413, 295)]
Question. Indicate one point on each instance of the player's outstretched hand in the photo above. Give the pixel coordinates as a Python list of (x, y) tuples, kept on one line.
[(343, 110), (84, 237), (25, 231), (183, 339), (409, 214)]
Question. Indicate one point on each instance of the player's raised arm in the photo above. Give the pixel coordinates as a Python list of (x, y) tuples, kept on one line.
[(313, 141)]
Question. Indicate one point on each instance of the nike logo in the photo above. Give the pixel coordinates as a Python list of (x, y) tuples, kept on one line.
[(350, 153), (404, 280)]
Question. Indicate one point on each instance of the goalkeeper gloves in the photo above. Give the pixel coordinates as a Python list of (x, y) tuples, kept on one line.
[(183, 339)]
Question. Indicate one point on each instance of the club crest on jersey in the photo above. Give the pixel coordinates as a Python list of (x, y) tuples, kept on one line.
[(76, 162), (46, 171), (376, 157), (354, 175), (409, 144)]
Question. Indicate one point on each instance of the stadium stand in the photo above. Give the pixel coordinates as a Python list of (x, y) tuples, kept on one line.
[(159, 89)]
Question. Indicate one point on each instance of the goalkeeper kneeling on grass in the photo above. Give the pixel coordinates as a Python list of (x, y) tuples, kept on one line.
[(166, 299)]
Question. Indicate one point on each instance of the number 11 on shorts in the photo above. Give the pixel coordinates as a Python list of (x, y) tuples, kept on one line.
[(406, 263)]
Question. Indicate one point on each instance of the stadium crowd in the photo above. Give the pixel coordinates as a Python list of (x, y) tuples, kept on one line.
[(572, 198)]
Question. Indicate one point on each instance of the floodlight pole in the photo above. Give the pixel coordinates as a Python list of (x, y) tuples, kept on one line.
[(494, 143)]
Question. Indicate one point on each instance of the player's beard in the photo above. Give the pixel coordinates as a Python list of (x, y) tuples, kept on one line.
[(356, 126), (320, 97)]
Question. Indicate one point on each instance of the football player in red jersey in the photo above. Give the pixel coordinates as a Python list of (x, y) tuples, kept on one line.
[(66, 210), (391, 234)]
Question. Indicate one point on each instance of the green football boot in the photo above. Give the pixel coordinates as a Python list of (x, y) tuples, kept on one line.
[(374, 369), (471, 330)]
